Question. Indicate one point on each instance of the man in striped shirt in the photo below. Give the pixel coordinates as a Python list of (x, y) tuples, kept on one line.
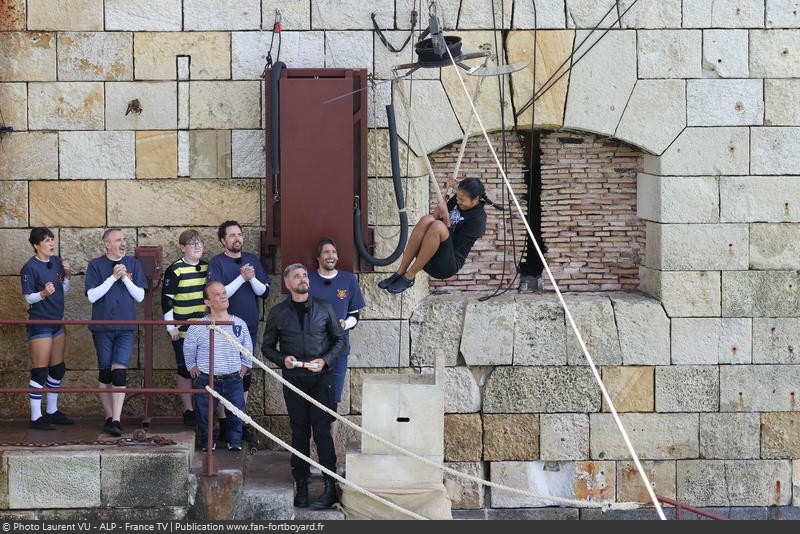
[(230, 364)]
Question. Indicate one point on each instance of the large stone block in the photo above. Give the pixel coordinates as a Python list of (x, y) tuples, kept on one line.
[(539, 331), (78, 203), (758, 388), (497, 316), (510, 437), (14, 203), (651, 436), (541, 484), (724, 102), (733, 436), (729, 483), (33, 154), (631, 388), (597, 95), (406, 410), (593, 317), (540, 389), (704, 152), (155, 53), (463, 436), (760, 294), (687, 388), (144, 16), (48, 480), (547, 107), (28, 56), (631, 486), (215, 200), (775, 340), (95, 56), (66, 106), (666, 99), (145, 479)]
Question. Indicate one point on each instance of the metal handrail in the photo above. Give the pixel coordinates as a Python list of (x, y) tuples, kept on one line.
[(680, 506), (209, 461)]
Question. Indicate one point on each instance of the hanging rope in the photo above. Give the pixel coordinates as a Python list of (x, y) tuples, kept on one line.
[(595, 372), (382, 37)]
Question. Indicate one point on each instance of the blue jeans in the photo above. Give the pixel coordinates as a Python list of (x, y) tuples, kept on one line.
[(113, 346), (229, 387)]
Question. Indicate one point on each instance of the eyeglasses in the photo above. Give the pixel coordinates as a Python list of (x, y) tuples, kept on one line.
[(195, 244)]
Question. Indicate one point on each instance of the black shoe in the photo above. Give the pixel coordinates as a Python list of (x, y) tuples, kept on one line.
[(189, 418), (301, 497), (329, 496), (58, 418), (400, 285), (386, 282), (41, 424), (236, 447), (113, 427)]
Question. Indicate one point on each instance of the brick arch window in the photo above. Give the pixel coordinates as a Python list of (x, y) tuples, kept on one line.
[(582, 190)]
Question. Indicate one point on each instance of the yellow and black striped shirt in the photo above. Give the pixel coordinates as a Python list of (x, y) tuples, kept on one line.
[(182, 291)]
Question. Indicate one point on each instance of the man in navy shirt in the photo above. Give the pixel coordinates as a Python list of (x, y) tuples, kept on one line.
[(114, 282), (341, 289), (246, 283)]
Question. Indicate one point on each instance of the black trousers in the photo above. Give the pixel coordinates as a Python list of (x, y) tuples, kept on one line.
[(307, 420)]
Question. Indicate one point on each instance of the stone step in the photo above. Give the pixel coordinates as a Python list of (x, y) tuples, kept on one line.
[(268, 491)]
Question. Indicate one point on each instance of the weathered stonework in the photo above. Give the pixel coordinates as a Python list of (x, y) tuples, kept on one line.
[(668, 209)]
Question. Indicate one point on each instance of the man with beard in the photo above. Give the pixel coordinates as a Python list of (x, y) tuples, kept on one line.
[(341, 289), (246, 283), (310, 339)]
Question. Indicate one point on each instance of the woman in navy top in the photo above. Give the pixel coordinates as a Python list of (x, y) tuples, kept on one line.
[(45, 280)]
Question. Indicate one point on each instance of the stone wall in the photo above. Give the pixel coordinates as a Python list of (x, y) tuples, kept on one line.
[(702, 361)]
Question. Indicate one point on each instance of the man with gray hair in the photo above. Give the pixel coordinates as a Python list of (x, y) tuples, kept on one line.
[(114, 283), (310, 339)]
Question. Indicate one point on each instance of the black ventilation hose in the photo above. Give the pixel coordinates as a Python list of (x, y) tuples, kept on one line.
[(274, 117), (398, 195)]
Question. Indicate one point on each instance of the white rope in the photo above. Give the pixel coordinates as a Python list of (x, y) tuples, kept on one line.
[(599, 380), (248, 420), (459, 474)]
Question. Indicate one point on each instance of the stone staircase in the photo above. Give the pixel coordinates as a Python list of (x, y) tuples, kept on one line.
[(255, 484), (76, 471)]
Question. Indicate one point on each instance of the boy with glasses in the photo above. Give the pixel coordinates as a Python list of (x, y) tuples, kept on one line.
[(182, 300)]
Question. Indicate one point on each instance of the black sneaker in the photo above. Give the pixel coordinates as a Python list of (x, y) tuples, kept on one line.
[(234, 447), (58, 418), (41, 424), (112, 427), (189, 418)]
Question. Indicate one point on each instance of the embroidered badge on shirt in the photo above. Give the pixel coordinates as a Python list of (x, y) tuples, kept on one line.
[(341, 293)]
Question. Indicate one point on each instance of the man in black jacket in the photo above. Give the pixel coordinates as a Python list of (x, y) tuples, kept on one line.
[(310, 339)]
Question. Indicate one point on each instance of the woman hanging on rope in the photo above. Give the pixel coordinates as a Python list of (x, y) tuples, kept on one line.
[(441, 241)]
